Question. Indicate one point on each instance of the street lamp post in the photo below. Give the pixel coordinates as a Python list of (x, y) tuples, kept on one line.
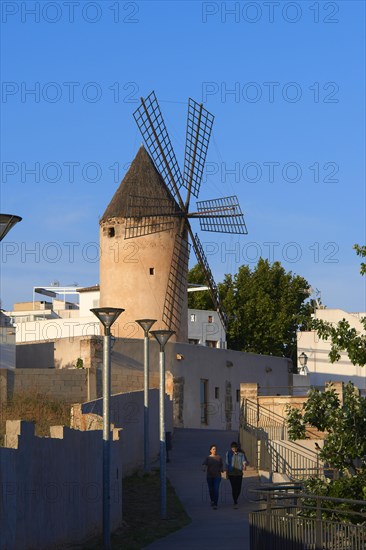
[(146, 325), (7, 221), (107, 316), (162, 336)]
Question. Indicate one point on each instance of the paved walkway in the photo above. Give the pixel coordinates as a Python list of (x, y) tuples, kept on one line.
[(223, 528)]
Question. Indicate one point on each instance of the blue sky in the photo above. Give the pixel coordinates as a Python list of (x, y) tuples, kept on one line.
[(285, 81)]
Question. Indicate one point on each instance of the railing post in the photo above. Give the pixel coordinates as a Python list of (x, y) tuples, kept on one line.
[(318, 526), (268, 521), (245, 413)]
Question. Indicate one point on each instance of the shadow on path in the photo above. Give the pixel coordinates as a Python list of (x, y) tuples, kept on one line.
[(222, 528)]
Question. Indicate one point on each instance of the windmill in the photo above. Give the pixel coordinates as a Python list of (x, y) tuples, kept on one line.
[(146, 215)]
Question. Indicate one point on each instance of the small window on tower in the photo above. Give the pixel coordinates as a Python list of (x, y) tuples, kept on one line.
[(110, 231), (152, 270)]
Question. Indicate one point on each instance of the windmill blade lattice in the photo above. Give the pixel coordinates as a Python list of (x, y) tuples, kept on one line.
[(177, 283), (199, 127), (147, 215), (150, 121), (221, 215), (201, 257)]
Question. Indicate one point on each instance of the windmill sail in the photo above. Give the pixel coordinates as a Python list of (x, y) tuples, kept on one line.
[(221, 215), (199, 127), (177, 283), (201, 257), (153, 130)]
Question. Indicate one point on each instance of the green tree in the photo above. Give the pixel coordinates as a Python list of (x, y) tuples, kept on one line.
[(265, 308), (342, 336), (200, 299), (345, 448)]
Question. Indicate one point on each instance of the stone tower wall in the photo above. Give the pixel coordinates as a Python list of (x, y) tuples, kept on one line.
[(134, 275)]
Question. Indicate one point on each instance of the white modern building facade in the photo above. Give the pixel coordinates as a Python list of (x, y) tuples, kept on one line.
[(42, 320), (320, 369)]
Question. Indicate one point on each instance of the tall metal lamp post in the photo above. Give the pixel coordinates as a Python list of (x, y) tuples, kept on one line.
[(7, 221), (303, 360), (146, 325), (107, 316), (162, 336)]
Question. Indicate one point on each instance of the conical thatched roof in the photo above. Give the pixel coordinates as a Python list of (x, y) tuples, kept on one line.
[(142, 179)]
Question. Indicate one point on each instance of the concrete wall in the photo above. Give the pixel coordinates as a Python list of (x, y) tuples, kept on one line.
[(7, 347), (66, 385), (127, 412), (35, 356), (51, 490), (186, 365), (225, 370), (52, 493)]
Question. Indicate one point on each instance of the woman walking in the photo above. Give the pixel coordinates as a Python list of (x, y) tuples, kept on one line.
[(213, 465), (235, 463)]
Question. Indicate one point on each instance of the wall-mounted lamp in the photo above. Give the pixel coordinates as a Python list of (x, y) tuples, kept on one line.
[(303, 360), (229, 364), (179, 357)]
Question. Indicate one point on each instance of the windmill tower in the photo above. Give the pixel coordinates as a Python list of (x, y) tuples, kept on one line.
[(145, 229)]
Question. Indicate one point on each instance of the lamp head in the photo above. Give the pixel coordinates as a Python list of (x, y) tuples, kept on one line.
[(146, 324), (7, 221), (303, 359), (162, 336), (107, 316)]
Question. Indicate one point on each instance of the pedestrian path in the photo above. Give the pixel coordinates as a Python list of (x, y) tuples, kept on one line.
[(223, 528)]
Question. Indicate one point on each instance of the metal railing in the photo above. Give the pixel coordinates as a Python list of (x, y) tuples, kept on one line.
[(257, 416), (296, 525), (290, 459), (265, 439)]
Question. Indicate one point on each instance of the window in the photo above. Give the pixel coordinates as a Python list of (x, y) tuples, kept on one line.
[(193, 318), (238, 396), (111, 232), (217, 392), (210, 319), (203, 400), (152, 270)]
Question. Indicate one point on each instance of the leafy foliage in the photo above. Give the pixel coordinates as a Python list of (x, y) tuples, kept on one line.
[(345, 487), (344, 423), (201, 299), (265, 307), (361, 251), (344, 448), (296, 427), (343, 337)]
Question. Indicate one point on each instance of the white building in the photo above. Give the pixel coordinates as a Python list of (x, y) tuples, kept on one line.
[(40, 321), (320, 369)]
